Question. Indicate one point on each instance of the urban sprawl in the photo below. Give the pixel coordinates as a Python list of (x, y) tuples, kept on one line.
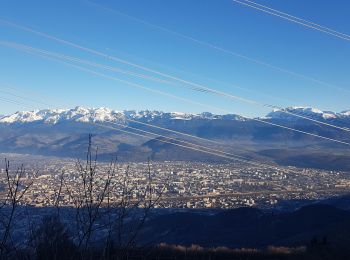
[(181, 184)]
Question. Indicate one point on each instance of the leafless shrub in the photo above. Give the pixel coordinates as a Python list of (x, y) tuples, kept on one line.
[(52, 240), (134, 210), (16, 188), (88, 197), (104, 201)]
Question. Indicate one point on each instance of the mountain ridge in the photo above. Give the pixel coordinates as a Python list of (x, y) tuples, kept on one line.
[(314, 113), (64, 132), (103, 114)]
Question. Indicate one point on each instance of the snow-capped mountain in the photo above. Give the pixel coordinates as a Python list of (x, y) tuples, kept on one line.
[(64, 132), (89, 115), (100, 115), (345, 113), (53, 116), (314, 113)]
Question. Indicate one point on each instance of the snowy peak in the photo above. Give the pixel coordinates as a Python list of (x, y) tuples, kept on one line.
[(345, 113), (292, 113), (102, 114), (93, 115), (54, 116), (147, 115)]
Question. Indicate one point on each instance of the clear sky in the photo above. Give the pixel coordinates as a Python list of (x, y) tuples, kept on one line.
[(222, 23)]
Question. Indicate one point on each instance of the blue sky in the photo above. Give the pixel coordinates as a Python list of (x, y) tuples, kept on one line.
[(222, 23)]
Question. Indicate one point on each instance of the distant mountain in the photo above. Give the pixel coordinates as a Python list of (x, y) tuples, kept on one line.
[(54, 116), (314, 113), (88, 115), (63, 132)]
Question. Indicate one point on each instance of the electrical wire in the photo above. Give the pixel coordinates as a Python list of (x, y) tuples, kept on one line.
[(292, 19), (191, 101), (195, 86)]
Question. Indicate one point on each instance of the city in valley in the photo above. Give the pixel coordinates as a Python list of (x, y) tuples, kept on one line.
[(179, 184)]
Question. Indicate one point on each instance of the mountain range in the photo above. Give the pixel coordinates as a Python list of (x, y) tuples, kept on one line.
[(88, 115), (64, 132)]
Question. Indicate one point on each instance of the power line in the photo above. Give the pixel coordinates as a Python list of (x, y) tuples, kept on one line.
[(223, 50), (173, 131), (83, 61), (185, 144), (188, 143), (204, 139), (191, 101), (223, 152), (21, 97), (176, 144), (297, 18), (198, 87), (164, 93), (294, 19), (35, 96), (7, 100), (171, 140), (187, 147), (127, 82), (98, 53), (195, 86), (223, 155)]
